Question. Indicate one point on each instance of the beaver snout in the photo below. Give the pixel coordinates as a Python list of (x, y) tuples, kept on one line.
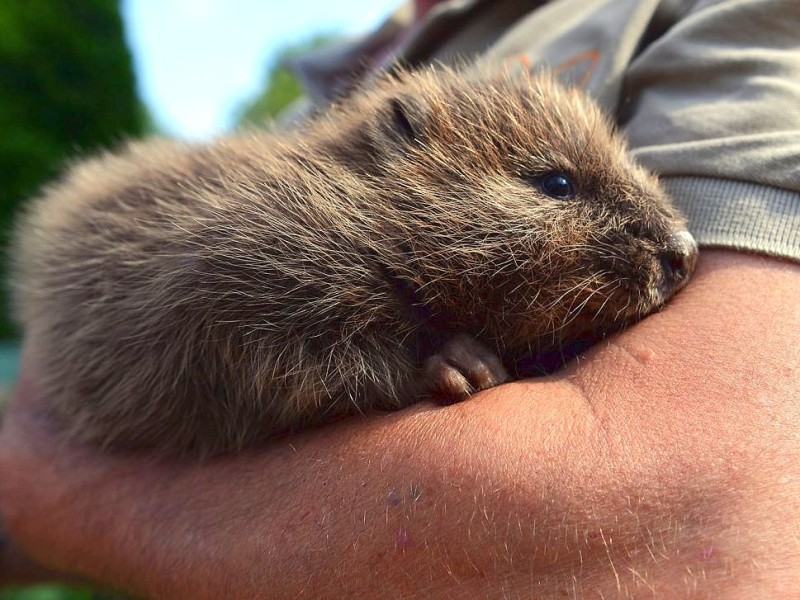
[(678, 261)]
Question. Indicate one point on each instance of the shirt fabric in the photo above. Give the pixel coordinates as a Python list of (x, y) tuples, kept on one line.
[(707, 91)]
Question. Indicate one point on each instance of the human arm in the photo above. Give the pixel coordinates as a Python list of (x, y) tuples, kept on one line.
[(665, 460), (16, 568)]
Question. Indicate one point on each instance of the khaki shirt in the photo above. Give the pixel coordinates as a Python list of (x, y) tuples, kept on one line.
[(708, 91)]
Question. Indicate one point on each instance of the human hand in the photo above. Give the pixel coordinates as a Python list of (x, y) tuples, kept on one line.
[(664, 463)]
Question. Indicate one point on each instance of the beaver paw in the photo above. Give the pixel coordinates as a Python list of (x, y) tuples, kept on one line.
[(462, 367)]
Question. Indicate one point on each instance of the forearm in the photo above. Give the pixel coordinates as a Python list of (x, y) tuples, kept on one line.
[(652, 464), (16, 568)]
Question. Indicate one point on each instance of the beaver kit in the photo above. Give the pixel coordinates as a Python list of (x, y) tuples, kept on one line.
[(421, 239)]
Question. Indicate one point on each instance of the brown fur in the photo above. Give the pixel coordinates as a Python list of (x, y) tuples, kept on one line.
[(196, 298)]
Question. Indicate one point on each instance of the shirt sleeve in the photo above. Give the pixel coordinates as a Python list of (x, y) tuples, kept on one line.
[(713, 106), (708, 92)]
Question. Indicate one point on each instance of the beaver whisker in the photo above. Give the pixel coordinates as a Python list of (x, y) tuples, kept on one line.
[(574, 311), (609, 296)]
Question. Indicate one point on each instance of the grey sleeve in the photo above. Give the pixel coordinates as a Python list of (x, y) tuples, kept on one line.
[(713, 106), (710, 96)]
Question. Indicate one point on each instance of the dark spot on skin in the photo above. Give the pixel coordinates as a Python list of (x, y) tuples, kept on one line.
[(394, 498)]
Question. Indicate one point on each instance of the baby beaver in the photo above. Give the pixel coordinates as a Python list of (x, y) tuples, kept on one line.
[(418, 239)]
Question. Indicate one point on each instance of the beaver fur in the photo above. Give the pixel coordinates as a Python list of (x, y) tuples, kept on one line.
[(195, 298)]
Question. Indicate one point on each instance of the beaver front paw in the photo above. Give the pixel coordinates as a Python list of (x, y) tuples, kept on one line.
[(462, 367)]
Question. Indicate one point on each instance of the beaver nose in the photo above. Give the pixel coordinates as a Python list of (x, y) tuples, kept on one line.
[(678, 260)]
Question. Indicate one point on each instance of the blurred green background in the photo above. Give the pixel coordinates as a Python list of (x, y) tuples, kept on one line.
[(54, 592), (68, 89)]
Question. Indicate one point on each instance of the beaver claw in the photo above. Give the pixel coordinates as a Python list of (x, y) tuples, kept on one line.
[(462, 367)]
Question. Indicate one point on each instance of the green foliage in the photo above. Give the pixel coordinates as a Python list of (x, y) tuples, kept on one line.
[(67, 88), (281, 90), (47, 592), (57, 592), (281, 87)]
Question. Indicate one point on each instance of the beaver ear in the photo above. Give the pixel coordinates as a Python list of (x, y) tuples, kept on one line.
[(405, 120)]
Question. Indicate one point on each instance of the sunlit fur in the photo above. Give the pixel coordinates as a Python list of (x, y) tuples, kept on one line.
[(197, 298)]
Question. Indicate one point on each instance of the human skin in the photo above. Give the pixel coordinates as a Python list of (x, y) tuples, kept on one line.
[(664, 463)]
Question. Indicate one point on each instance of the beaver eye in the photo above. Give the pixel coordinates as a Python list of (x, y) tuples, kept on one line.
[(557, 185)]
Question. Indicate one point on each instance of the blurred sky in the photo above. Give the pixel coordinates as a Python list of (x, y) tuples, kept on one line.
[(197, 60)]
